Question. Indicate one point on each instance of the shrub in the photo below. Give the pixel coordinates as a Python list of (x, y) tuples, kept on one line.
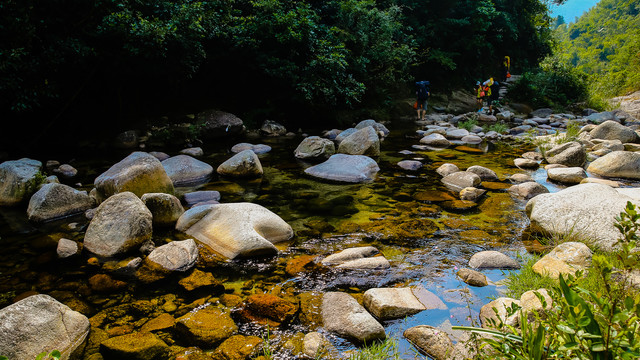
[(554, 84), (468, 124)]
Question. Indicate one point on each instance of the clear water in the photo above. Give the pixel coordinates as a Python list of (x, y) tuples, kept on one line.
[(424, 242)]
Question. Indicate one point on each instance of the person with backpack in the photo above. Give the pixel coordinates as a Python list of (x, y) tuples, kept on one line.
[(479, 95), (506, 68), (422, 95)]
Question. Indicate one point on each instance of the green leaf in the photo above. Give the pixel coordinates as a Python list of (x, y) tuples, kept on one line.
[(41, 355), (566, 329), (55, 354)]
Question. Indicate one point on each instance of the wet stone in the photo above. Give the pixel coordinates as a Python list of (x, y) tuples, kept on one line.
[(495, 185), (459, 205), (135, 346), (200, 279), (433, 196), (472, 277), (268, 309)]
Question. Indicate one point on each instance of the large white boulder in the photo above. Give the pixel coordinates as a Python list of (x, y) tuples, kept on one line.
[(584, 210), (236, 229)]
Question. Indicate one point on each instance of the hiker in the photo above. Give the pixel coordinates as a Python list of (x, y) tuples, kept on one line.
[(488, 89), (479, 95), (493, 97), (422, 95), (506, 68)]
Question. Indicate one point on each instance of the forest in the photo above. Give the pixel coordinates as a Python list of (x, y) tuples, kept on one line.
[(67, 64)]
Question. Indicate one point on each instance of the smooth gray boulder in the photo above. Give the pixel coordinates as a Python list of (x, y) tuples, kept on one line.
[(18, 180), (176, 255), (242, 164), (315, 147), (432, 341), (484, 173), (236, 229), (272, 128), (202, 197), (258, 148), (460, 180), (40, 323), (66, 248), (342, 314), (394, 303), (55, 201), (139, 173), (606, 147), (472, 139), (185, 170), (601, 117), (570, 175), (570, 154), (344, 134), (447, 169), (66, 171), (215, 124), (345, 168), (492, 260), (121, 223), (193, 151), (371, 263), (582, 211), (435, 140), (350, 254), (378, 127), (542, 113), (165, 208), (526, 163), (456, 134), (527, 190), (409, 165), (617, 164), (611, 130), (362, 142)]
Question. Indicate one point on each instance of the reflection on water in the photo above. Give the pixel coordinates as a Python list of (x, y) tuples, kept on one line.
[(401, 213)]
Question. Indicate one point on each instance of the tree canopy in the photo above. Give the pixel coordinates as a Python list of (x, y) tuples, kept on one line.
[(65, 60), (605, 43)]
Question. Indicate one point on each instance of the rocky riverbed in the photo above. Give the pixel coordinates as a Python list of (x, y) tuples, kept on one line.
[(305, 242)]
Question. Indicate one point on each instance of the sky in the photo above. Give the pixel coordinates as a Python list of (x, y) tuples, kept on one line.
[(572, 9)]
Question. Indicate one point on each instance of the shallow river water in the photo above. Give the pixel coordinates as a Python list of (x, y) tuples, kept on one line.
[(401, 213)]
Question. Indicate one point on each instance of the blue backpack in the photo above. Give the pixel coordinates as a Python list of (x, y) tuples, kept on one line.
[(423, 90)]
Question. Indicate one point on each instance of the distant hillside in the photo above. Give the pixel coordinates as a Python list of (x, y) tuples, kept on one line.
[(605, 43)]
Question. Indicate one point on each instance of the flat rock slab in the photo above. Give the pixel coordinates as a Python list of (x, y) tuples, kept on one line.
[(345, 168), (342, 314), (492, 260), (135, 346), (569, 175), (350, 254)]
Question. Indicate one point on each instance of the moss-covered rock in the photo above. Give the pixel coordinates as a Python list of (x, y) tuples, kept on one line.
[(268, 309), (135, 346), (206, 327), (238, 347)]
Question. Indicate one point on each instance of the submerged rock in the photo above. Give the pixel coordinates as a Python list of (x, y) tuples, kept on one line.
[(206, 327), (345, 168), (38, 323), (460, 180), (135, 346), (237, 229), (139, 173), (18, 180)]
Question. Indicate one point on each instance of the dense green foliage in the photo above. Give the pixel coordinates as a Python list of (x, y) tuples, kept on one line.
[(591, 317), (605, 43), (554, 84), (64, 60)]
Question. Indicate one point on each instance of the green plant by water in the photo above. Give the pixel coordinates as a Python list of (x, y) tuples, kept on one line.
[(593, 317)]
